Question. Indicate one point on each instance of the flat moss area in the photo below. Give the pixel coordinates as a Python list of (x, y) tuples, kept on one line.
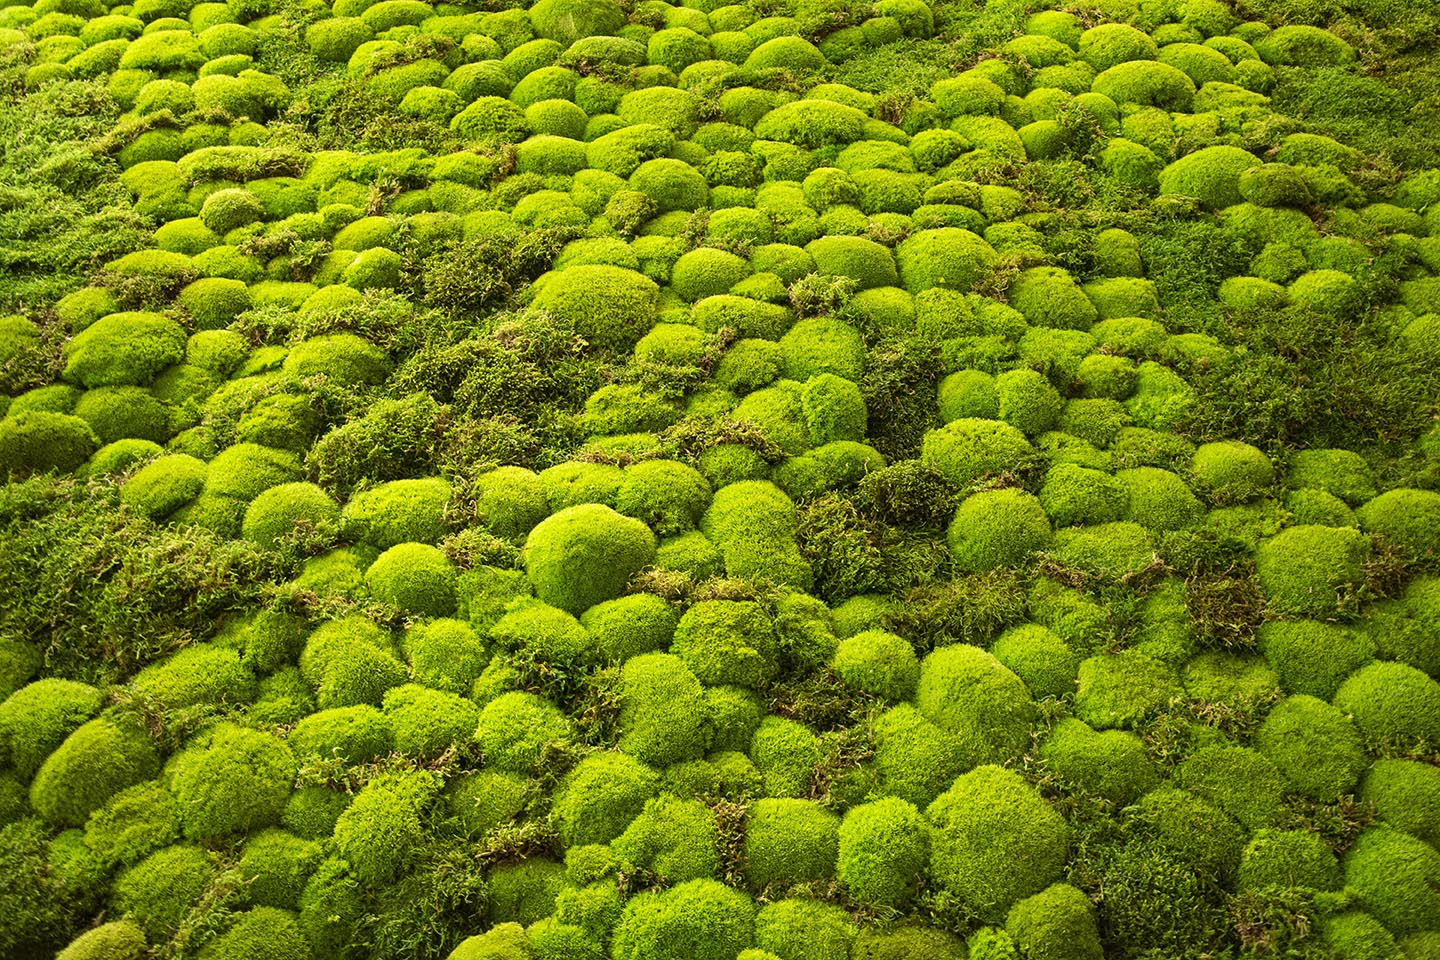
[(780, 480)]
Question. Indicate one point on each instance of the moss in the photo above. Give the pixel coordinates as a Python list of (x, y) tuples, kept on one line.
[(93, 763), (1039, 657), (1288, 858), (948, 257), (278, 511), (414, 577), (1124, 689), (971, 695), (1316, 746), (753, 523), (1211, 174), (199, 675), (278, 864), (789, 842), (401, 511), (1111, 764), (796, 928), (231, 780), (159, 891), (786, 753), (133, 824), (1357, 934), (38, 441), (600, 797), (727, 642), (967, 449), (1075, 495), (1147, 83), (1313, 657), (878, 663), (1310, 570), (905, 942), (350, 661), (381, 827), (883, 850), (37, 718), (1159, 499), (355, 734), (1396, 878), (1393, 703), (662, 710), (1304, 46), (123, 349), (485, 800), (616, 320), (997, 528), (1405, 795), (1058, 923), (115, 940), (427, 723), (1193, 831), (272, 930), (994, 841), (584, 555), (1237, 780), (630, 626), (1409, 519), (1109, 44), (673, 838), (504, 941), (515, 729), (696, 920)]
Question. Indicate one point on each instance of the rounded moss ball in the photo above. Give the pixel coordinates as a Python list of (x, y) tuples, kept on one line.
[(1406, 795), (516, 728), (1343, 473), (159, 891), (1038, 656), (968, 449), (123, 349), (1231, 471), (1313, 657), (884, 847), (401, 511), (1050, 297), (805, 928), (1311, 570), (426, 723), (414, 577), (1288, 858), (997, 528), (231, 780), (260, 931), (1315, 745), (279, 511), (566, 21), (353, 735), (609, 306), (1210, 174), (669, 496), (345, 358), (1393, 703), (629, 626), (1409, 519), (1397, 878), (696, 920), (1110, 764), (1058, 923), (95, 762), (1027, 401), (509, 501), (994, 841), (788, 842), (116, 940), (1239, 781), (1124, 689), (968, 393), (38, 441), (673, 837), (969, 694), (728, 641), (586, 554), (382, 826), (599, 798), (878, 663), (662, 710), (1077, 495), (225, 210), (38, 717), (947, 257)]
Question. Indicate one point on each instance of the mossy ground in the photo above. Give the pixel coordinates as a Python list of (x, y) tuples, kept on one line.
[(787, 479)]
